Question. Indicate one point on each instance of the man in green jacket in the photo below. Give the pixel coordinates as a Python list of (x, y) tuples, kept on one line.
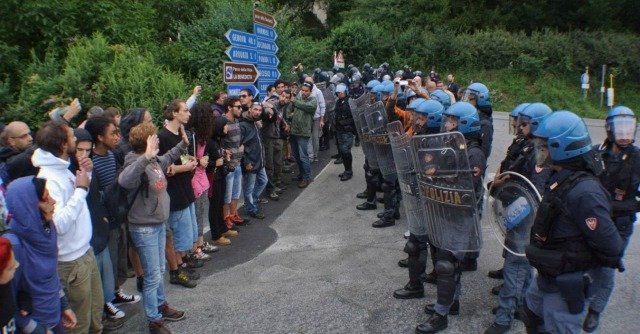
[(303, 106)]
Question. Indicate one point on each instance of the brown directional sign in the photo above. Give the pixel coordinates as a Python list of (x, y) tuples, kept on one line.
[(263, 18), (239, 73)]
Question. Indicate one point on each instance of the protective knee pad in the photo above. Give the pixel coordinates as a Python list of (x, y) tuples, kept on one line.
[(446, 282), (445, 268), (532, 321), (412, 248)]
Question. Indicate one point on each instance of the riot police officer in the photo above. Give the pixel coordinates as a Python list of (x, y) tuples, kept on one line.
[(478, 95), (345, 128), (462, 117), (621, 178), (522, 160), (426, 118), (573, 231), (367, 73)]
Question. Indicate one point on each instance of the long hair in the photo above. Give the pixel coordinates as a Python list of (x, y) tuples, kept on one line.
[(201, 121)]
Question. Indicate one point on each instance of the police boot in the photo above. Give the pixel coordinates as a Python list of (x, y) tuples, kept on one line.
[(434, 324), (366, 206), (414, 288), (384, 222), (496, 274), (591, 321), (404, 263), (410, 291)]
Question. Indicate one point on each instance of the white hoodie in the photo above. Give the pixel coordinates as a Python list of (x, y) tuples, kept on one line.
[(71, 214)]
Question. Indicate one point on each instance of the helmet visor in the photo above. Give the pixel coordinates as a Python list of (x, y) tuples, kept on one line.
[(624, 128), (524, 125), (543, 158), (469, 96)]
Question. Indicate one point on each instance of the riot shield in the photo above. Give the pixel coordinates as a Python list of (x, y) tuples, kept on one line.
[(357, 107), (405, 167), (329, 99), (511, 211), (376, 118), (447, 191)]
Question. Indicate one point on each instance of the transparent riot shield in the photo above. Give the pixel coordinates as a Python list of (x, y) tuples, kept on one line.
[(357, 107), (405, 167), (446, 187), (376, 118), (511, 211)]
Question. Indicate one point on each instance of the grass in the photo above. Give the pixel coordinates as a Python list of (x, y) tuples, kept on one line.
[(509, 89)]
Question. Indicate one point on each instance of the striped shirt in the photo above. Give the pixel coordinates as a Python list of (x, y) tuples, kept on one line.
[(105, 168), (232, 142)]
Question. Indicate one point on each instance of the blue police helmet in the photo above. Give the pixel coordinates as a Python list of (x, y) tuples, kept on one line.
[(483, 98), (516, 111), (434, 110), (534, 114), (415, 103), (566, 134), (467, 115), (341, 88), (372, 83), (442, 97), (621, 124), (377, 88), (409, 93), (387, 87)]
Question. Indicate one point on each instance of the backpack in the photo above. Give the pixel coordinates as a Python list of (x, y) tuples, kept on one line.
[(118, 200)]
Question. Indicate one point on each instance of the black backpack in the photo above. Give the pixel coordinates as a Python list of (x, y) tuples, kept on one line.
[(118, 200)]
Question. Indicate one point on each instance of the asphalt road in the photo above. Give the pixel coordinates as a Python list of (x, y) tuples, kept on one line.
[(315, 265)]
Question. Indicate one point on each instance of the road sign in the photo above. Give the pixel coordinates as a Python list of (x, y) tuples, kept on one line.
[(268, 73), (234, 89), (338, 59), (263, 84), (263, 18), (266, 45), (241, 38), (240, 54), (265, 32), (239, 72), (265, 59)]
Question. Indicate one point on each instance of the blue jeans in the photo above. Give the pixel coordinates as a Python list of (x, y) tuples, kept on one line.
[(184, 226), (299, 148), (517, 276), (552, 308), (234, 181), (150, 243), (105, 267), (253, 185)]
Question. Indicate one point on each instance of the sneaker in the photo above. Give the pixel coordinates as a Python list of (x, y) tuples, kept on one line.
[(193, 275), (157, 327), (140, 283), (278, 190), (180, 277), (303, 184), (169, 314), (273, 196), (200, 255), (222, 241), (264, 200), (257, 215), (123, 298), (207, 247), (230, 234), (192, 262), (112, 312)]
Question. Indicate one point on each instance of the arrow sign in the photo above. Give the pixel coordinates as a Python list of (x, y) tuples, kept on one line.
[(236, 53), (266, 45), (264, 18), (234, 90), (239, 73), (265, 59), (264, 32), (241, 38), (263, 84), (268, 73)]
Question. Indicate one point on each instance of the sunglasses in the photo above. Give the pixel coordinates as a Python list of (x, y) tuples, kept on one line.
[(238, 106), (244, 96)]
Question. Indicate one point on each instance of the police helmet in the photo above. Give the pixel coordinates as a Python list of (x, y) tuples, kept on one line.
[(409, 93), (415, 103), (378, 88), (386, 77), (621, 124), (317, 70), (434, 110), (387, 87), (481, 93), (466, 116), (366, 66), (336, 78), (399, 73), (356, 78), (372, 83), (341, 88), (516, 111), (417, 73), (442, 97), (566, 135), (533, 115), (385, 66)]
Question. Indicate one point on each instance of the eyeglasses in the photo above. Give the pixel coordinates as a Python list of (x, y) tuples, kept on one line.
[(237, 106), (244, 96), (24, 136)]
